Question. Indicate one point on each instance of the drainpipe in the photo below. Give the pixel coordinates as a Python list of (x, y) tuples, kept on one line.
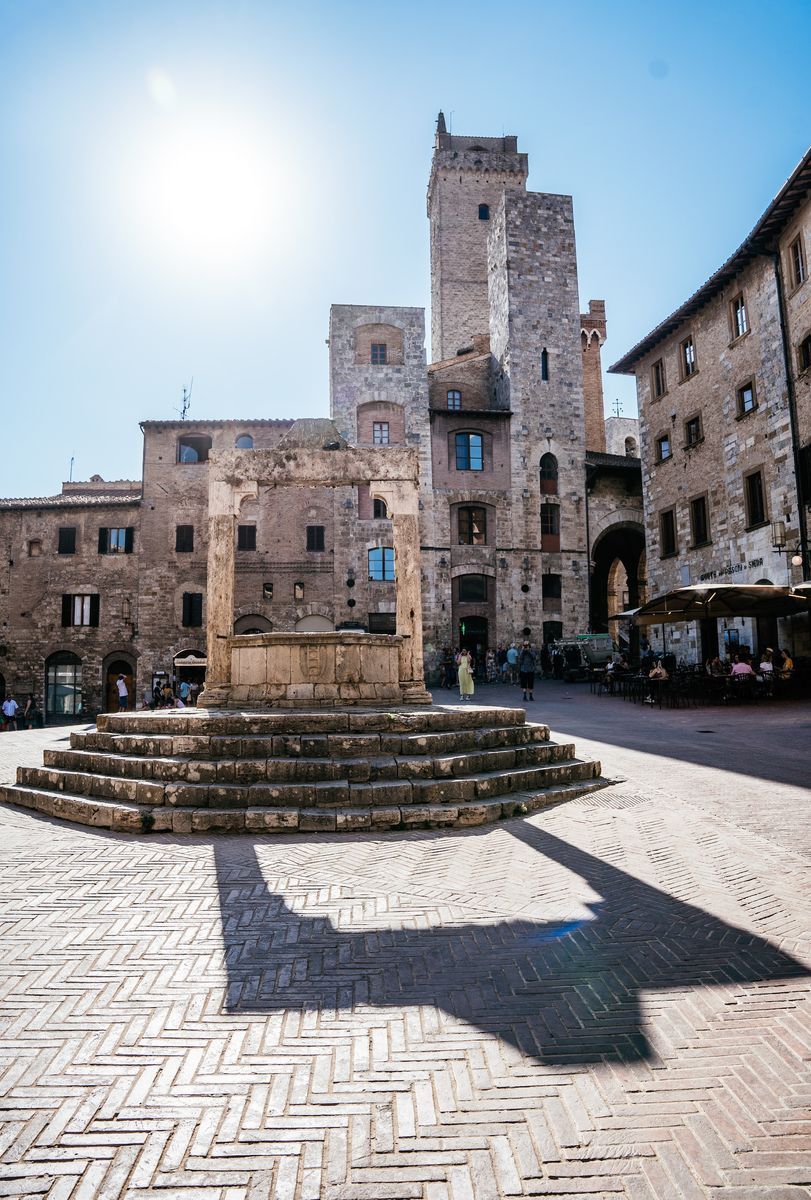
[(802, 523)]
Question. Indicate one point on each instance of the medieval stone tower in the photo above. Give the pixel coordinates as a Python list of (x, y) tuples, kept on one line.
[(468, 177), (499, 416)]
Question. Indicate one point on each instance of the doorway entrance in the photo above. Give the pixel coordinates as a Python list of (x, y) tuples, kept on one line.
[(119, 666), (709, 639), (63, 687), (473, 637)]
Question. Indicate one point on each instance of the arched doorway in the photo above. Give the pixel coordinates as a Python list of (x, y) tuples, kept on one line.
[(113, 668), (617, 577), (314, 623), (63, 687)]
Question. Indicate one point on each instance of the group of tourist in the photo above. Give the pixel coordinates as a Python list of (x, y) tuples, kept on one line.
[(163, 695), (15, 717), (773, 664), (511, 664)]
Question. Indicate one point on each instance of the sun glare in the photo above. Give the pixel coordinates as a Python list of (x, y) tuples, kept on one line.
[(202, 188)]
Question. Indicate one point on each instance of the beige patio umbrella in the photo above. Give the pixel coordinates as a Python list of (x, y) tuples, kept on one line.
[(702, 601)]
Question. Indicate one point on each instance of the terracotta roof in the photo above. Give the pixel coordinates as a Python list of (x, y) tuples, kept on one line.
[(626, 462), (205, 422), (74, 500), (762, 240)]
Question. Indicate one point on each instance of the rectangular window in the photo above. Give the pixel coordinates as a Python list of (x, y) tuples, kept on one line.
[(755, 502), (667, 533), (193, 609), (67, 540), (796, 258), (382, 623), (315, 537), (469, 452), (699, 523), (454, 399), (378, 356), (663, 449), (687, 357), (658, 381), (472, 589), (804, 353), (380, 433), (737, 317), (267, 591), (746, 399), (381, 563), (115, 541), (550, 587), (550, 528), (80, 610), (692, 431), (298, 591), (184, 539), (472, 526), (246, 537)]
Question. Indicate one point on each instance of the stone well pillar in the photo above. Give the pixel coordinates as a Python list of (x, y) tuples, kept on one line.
[(224, 500), (402, 501)]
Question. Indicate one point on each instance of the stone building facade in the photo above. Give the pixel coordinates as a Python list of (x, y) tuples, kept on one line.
[(523, 513), (724, 392)]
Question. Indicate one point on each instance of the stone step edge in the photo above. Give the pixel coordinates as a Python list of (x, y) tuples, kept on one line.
[(409, 743), (180, 794), (348, 720), (134, 819), (457, 758)]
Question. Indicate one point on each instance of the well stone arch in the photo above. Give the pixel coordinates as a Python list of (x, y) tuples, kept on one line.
[(313, 454)]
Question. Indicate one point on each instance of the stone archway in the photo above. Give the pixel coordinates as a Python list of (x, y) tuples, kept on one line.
[(617, 575)]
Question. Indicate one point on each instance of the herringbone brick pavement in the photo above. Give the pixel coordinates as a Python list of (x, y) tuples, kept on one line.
[(609, 999)]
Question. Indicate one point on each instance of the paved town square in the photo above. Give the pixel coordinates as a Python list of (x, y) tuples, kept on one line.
[(609, 998)]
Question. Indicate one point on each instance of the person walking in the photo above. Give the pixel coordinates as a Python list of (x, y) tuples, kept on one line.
[(526, 670), (464, 663), (10, 708), (512, 662)]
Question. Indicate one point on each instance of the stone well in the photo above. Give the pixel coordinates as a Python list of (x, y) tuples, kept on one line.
[(316, 670)]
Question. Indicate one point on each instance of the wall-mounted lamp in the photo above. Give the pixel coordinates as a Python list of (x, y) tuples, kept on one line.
[(780, 544)]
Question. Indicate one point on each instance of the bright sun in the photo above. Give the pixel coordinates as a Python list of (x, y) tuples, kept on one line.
[(202, 190)]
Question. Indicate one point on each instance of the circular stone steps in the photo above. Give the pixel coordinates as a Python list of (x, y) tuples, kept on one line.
[(195, 771)]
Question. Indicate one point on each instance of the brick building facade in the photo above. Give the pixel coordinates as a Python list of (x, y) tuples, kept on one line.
[(521, 506), (724, 392)]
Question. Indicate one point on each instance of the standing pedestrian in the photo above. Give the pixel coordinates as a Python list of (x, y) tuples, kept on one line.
[(123, 693), (10, 708), (465, 668), (526, 670)]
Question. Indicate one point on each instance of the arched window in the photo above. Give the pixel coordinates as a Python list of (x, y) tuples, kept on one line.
[(193, 448), (244, 442), (454, 399), (472, 589), (472, 525), (630, 447), (484, 212), (380, 512), (469, 452), (549, 475), (63, 686), (545, 365), (381, 563)]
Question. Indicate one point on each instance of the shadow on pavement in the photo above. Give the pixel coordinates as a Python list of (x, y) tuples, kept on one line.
[(560, 993)]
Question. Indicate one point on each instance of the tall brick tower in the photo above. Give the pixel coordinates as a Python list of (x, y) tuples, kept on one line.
[(468, 177)]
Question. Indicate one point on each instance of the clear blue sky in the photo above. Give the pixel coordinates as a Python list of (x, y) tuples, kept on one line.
[(188, 186)]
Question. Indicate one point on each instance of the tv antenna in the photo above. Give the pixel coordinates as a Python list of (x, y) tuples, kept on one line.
[(186, 404), (70, 476), (617, 407)]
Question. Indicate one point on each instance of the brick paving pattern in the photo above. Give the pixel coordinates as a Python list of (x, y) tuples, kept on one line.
[(608, 999)]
